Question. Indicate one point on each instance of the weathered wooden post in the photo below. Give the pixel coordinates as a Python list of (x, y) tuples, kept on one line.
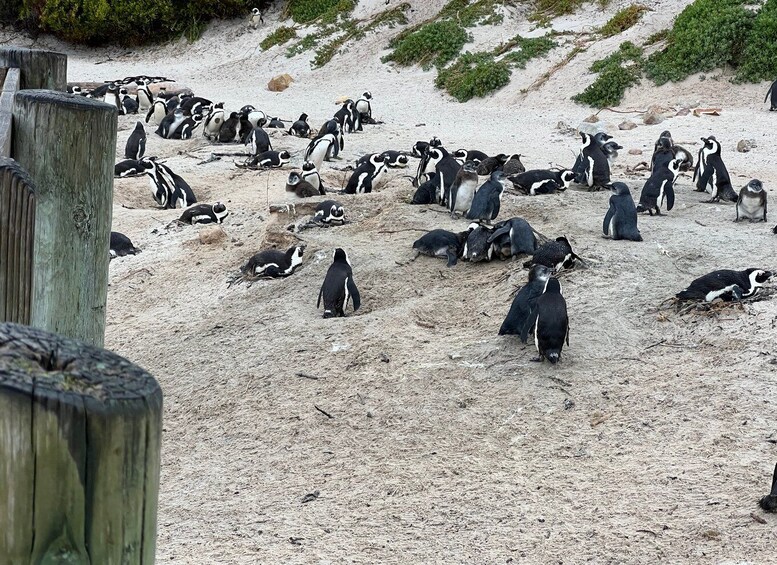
[(67, 144), (80, 433), (17, 242), (39, 69)]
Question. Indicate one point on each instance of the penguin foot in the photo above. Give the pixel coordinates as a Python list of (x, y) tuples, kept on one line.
[(536, 359)]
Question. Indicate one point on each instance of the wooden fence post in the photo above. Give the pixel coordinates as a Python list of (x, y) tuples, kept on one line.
[(39, 69), (80, 436), (17, 241), (67, 144)]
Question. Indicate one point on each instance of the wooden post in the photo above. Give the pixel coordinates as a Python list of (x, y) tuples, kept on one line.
[(80, 433), (67, 144), (39, 69), (17, 240)]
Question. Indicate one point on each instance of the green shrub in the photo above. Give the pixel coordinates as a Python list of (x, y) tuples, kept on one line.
[(617, 72), (278, 37), (759, 58), (530, 48), (436, 43), (305, 11), (469, 14), (473, 74), (657, 36), (706, 35), (561, 7), (623, 20)]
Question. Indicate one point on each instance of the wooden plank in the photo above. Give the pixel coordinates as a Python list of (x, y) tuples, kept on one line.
[(10, 86), (3, 70), (74, 195), (82, 425), (39, 69)]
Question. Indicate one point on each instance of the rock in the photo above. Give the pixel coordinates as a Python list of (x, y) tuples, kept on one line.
[(652, 118), (656, 109), (627, 125), (589, 128), (592, 119), (635, 151), (280, 83), (745, 145), (209, 236), (683, 112), (564, 128)]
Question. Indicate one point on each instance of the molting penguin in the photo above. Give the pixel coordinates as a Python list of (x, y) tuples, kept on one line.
[(338, 287), (543, 181), (300, 128), (726, 284), (517, 320), (752, 202), (204, 214), (620, 222), (463, 189), (442, 243), (491, 164), (711, 173), (136, 143), (488, 199), (660, 185), (330, 212), (769, 502), (229, 129), (274, 263), (550, 322), (121, 245), (513, 166), (557, 255), (773, 92), (301, 188)]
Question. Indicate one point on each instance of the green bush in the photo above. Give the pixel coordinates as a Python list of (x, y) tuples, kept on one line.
[(278, 37), (469, 14), (473, 74), (561, 7), (623, 20), (759, 58), (305, 11), (530, 48), (617, 72), (436, 43), (706, 35)]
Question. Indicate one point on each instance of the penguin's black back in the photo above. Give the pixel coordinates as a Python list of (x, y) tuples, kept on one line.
[(552, 326)]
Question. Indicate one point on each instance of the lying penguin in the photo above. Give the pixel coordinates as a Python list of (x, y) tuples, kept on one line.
[(442, 243), (274, 263), (725, 284)]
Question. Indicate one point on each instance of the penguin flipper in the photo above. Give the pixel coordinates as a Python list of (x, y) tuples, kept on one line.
[(768, 92), (452, 255), (149, 113), (704, 178), (320, 294), (669, 195), (607, 218), (774, 482), (354, 292), (529, 324), (499, 232)]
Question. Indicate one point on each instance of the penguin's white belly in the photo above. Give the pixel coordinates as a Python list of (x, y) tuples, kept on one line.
[(751, 208), (612, 226), (464, 197)]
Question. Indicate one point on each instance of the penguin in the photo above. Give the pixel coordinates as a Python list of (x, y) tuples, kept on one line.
[(161, 183), (447, 168), (274, 263), (491, 164), (136, 143), (228, 130), (172, 102), (246, 129), (396, 159), (333, 127), (426, 193), (725, 284), (419, 149), (144, 96), (470, 155), (301, 188), (300, 128), (128, 168), (170, 124), (478, 246), (194, 104), (541, 181), (310, 174), (276, 123), (363, 107), (121, 245), (620, 221), (773, 92), (518, 316), (344, 116), (183, 195), (338, 287), (463, 189), (100, 92), (769, 502), (610, 150), (550, 323), (258, 141), (665, 144), (367, 176), (442, 243), (711, 172), (270, 159), (214, 121), (255, 18), (129, 104), (330, 212), (513, 166), (595, 166), (660, 185), (204, 214), (751, 204), (112, 97), (256, 117), (319, 149), (556, 255), (513, 237), (422, 150), (75, 90), (488, 199), (187, 127), (157, 111)]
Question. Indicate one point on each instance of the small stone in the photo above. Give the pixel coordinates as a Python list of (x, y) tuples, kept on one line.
[(592, 119), (565, 128), (652, 118), (569, 404), (454, 356), (635, 151), (280, 83), (745, 145), (213, 235), (627, 125), (683, 112)]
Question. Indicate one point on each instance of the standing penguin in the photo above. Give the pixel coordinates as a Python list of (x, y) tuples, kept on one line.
[(157, 112), (488, 198), (320, 149), (214, 121), (246, 128), (300, 128), (463, 189), (259, 141), (255, 18), (620, 222), (112, 97), (520, 310), (711, 173), (751, 204), (338, 287), (144, 96), (550, 322), (773, 91), (660, 185), (345, 116), (595, 165), (310, 175), (136, 143), (769, 502), (228, 130), (129, 104), (665, 150), (447, 168), (170, 124), (364, 109)]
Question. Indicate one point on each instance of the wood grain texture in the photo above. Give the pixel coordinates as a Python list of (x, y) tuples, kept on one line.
[(67, 145), (80, 432), (12, 78), (39, 69)]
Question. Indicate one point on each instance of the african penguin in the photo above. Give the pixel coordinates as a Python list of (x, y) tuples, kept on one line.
[(301, 188), (276, 123), (658, 187), (541, 181), (516, 321), (270, 159), (513, 237), (229, 129), (751, 204), (129, 168), (550, 322), (330, 212), (666, 143), (773, 92), (258, 141), (725, 284), (595, 167), (121, 245), (144, 96), (556, 255), (367, 175), (300, 128), (214, 121), (310, 174), (463, 189), (478, 246), (768, 503), (274, 263), (204, 214), (513, 166), (255, 18), (447, 168), (470, 155), (491, 164), (711, 173), (320, 149), (129, 104), (187, 127), (364, 108), (136, 143), (488, 198), (338, 287), (442, 243), (620, 222), (427, 191), (170, 124)]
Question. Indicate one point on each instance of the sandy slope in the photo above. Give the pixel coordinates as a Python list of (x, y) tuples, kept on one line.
[(446, 443)]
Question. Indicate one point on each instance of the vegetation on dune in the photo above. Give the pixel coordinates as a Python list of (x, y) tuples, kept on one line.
[(549, 8), (278, 37), (473, 74), (326, 11), (617, 72), (529, 48), (759, 57), (623, 20), (436, 43)]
